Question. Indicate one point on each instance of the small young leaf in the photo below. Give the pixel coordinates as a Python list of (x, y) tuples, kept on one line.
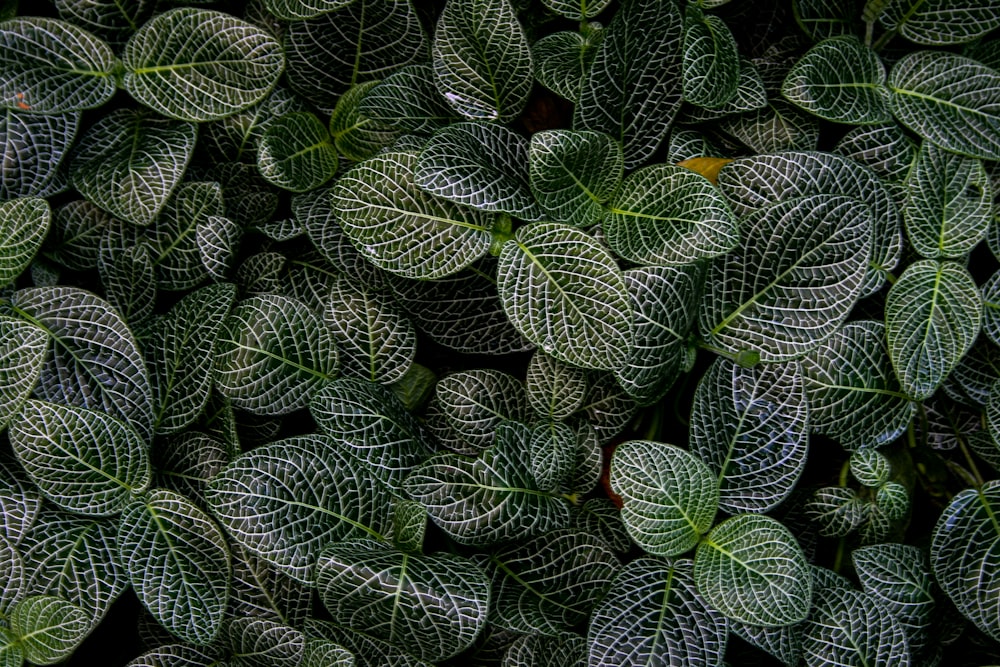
[(574, 174), (356, 136), (296, 153), (561, 60)]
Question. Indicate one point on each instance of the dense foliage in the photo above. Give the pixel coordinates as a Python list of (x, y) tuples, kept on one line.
[(519, 333)]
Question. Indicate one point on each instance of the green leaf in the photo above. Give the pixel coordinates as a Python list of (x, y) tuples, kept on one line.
[(400, 228), (196, 64), (218, 239), (577, 10), (899, 577), (365, 40), (409, 525), (842, 80), (948, 203), (553, 448), (75, 234), (11, 651), (869, 467), (653, 615), (129, 163), (177, 655), (753, 570), (564, 292), (561, 60), (779, 126), (112, 20), (480, 165), (408, 100), (180, 355), (793, 279), (186, 461), (566, 650), (555, 390), (669, 496), (885, 149), (784, 643), (822, 19), (633, 89), (261, 590), (325, 653), (665, 214), (356, 136), (51, 66), (963, 555), (838, 510), (178, 563), (551, 583), (173, 236), (366, 648), (949, 100), (940, 22), (13, 576), (287, 500), (602, 518), (93, 362), (48, 629), (22, 355), (84, 461), (129, 279), (607, 407), (476, 402), (272, 355), (482, 61), (20, 501), (295, 10), (932, 317), (236, 138), (990, 293), (574, 174), (847, 627), (750, 425), (854, 397), (34, 146), (488, 499), (296, 153), (259, 642), (710, 70), (433, 606)]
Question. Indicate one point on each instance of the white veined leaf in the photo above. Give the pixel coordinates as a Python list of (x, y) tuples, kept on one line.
[(710, 69), (480, 165), (23, 225), (848, 627), (990, 293), (23, 348), (669, 496), (12, 576), (949, 100), (287, 500), (272, 354), (940, 22), (51, 66), (665, 214), (885, 149), (409, 100), (972, 380), (792, 281), (664, 306), (932, 317), (375, 340), (750, 95), (432, 606), (574, 174), (779, 126), (48, 628), (325, 653), (554, 390), (235, 138), (551, 583), (129, 163), (489, 499), (399, 227), (566, 294), (177, 560), (963, 555), (75, 234), (20, 500), (633, 89), (899, 577), (562, 59), (83, 460), (607, 407), (261, 590), (259, 642), (261, 274), (180, 356), (837, 510), (177, 655), (112, 20), (365, 40), (296, 153), (566, 650), (218, 240), (552, 449), (33, 146), (756, 182), (654, 615), (75, 558), (369, 424), (869, 467), (842, 80), (854, 397), (296, 10), (361, 648), (196, 64), (601, 517), (94, 361), (949, 203), (751, 568), (477, 401), (356, 136), (409, 525), (187, 461), (482, 61), (129, 280), (822, 19), (784, 642), (751, 426), (577, 10)]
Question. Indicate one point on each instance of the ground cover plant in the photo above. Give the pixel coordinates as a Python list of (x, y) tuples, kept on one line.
[(500, 332)]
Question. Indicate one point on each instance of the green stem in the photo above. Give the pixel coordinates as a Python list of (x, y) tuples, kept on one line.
[(839, 558)]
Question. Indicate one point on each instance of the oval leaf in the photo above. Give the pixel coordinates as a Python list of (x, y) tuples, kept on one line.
[(296, 153), (49, 629), (574, 174)]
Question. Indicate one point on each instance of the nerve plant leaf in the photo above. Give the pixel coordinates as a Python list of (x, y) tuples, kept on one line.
[(899, 577), (940, 22), (574, 174), (296, 153), (710, 68), (482, 61), (476, 402), (850, 627), (408, 99), (33, 146), (196, 64), (561, 60), (48, 629), (356, 136), (296, 10), (259, 642), (554, 389), (51, 66), (12, 570), (577, 10), (23, 348), (564, 292)]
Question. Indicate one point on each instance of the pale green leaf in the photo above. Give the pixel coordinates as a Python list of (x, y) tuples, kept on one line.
[(33, 146), (11, 651), (23, 348), (476, 402), (296, 153), (555, 390), (633, 89), (259, 642), (51, 66), (129, 163), (949, 100), (577, 10), (482, 61), (561, 60), (295, 10), (356, 136), (409, 100), (752, 569), (899, 577), (669, 496), (196, 64), (48, 629), (847, 627), (710, 69), (564, 292), (940, 22), (574, 174), (932, 317)]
